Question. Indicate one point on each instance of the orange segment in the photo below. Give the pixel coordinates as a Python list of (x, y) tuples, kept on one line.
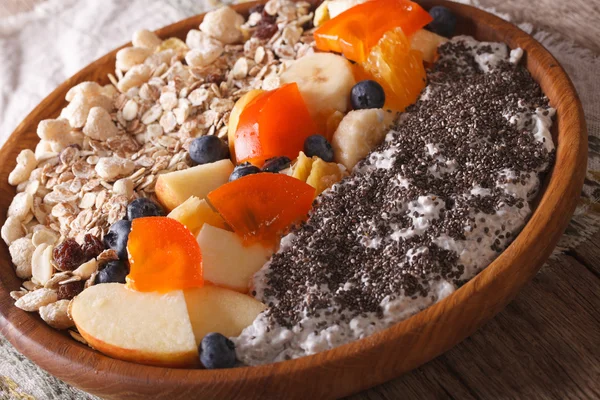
[(262, 207), (163, 256), (398, 69), (355, 31)]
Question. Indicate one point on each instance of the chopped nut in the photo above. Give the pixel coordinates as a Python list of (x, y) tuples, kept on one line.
[(32, 301), (12, 230), (26, 163), (131, 56), (135, 77), (124, 187), (57, 314), (84, 88), (110, 168), (21, 251), (77, 110), (99, 125), (20, 206), (41, 263), (223, 24), (146, 39), (86, 269)]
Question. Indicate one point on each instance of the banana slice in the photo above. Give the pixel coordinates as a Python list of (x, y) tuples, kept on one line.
[(336, 7), (358, 133), (324, 80)]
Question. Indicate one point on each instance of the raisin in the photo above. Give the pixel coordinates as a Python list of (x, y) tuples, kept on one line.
[(92, 246), (265, 30), (69, 290), (68, 255)]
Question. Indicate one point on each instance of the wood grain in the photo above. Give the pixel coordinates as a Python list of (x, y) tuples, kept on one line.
[(358, 365), (544, 345)]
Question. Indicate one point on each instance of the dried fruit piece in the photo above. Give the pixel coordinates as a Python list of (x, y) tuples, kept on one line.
[(323, 175), (163, 256), (69, 290), (92, 246), (261, 207), (398, 69), (355, 31), (274, 123), (68, 255)]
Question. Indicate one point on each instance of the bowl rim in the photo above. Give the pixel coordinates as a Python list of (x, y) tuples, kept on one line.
[(564, 186)]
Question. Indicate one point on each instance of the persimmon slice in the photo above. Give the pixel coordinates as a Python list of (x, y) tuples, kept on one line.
[(273, 124), (262, 207), (355, 31), (163, 256)]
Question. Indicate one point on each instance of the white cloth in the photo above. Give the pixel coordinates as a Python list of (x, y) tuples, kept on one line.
[(42, 48)]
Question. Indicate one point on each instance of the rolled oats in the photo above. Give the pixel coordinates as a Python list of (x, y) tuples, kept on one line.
[(32, 301), (17, 294)]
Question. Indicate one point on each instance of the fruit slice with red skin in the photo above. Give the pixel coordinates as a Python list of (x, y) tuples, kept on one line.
[(262, 207), (273, 124), (163, 256), (234, 117), (355, 31)]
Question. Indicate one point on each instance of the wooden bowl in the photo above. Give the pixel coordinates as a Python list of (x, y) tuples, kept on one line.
[(355, 366)]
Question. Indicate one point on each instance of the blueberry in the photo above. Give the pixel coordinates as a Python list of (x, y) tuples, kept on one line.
[(216, 351), (208, 149), (317, 145), (444, 21), (367, 94), (114, 271), (243, 170), (276, 164), (143, 207), (116, 238)]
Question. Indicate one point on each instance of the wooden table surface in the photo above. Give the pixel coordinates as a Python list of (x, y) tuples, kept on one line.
[(546, 343)]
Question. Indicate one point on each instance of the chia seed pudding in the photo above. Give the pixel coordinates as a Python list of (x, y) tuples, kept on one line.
[(432, 206)]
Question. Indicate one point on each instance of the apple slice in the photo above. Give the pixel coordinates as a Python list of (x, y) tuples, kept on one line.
[(174, 188), (216, 309), (193, 213), (427, 43), (234, 117), (226, 261), (146, 328)]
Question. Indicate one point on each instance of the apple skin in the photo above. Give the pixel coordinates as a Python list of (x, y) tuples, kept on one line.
[(173, 360), (174, 188)]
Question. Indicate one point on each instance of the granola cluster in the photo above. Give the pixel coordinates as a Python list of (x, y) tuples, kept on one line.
[(111, 142)]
